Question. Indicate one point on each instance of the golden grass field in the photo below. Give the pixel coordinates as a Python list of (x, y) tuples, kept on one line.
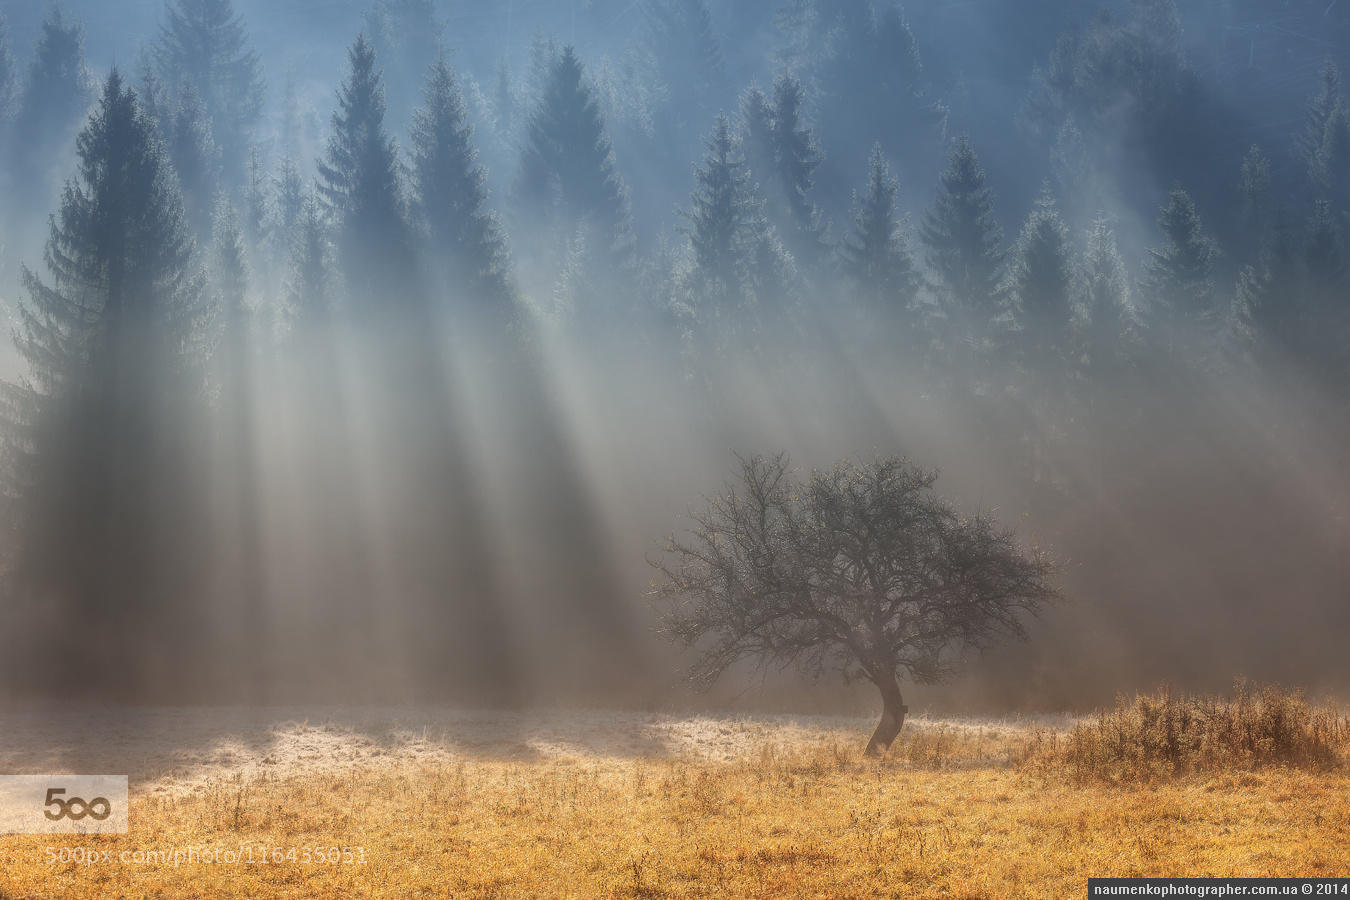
[(625, 805)]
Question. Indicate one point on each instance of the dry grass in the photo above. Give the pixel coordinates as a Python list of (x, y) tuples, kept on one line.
[(1165, 735), (954, 811)]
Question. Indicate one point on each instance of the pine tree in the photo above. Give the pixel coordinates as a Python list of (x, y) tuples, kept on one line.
[(1106, 318), (359, 182), (1181, 310), (568, 165), (104, 339), (449, 201), (962, 238), (203, 44), (875, 256), (1039, 284), (53, 99)]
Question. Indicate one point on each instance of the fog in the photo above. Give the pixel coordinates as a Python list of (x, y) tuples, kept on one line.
[(338, 375)]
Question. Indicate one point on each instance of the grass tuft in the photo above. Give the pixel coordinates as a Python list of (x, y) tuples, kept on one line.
[(1167, 735)]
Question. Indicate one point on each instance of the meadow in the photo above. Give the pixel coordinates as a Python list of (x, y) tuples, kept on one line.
[(596, 804)]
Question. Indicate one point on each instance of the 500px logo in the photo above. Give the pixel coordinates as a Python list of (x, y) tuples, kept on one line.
[(65, 809), (63, 804)]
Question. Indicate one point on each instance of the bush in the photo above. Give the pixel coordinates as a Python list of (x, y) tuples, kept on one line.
[(1163, 735)]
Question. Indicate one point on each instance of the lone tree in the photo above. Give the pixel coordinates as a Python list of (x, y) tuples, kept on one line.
[(862, 570)]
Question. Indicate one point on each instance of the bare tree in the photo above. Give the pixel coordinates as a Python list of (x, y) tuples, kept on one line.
[(862, 570)]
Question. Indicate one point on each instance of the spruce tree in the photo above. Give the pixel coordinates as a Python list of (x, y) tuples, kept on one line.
[(203, 45), (690, 70), (782, 155), (875, 255), (1071, 165), (229, 277), (898, 86), (721, 209), (1106, 318), (1331, 165), (359, 182), (8, 95), (449, 202), (8, 81), (309, 291), (1326, 295), (1325, 264), (757, 140), (293, 121), (865, 74), (287, 203), (797, 156), (1039, 284), (738, 263), (1254, 187), (1319, 112), (1270, 306), (1181, 310), (193, 153), (504, 102), (152, 94), (257, 223), (407, 37), (237, 510), (53, 99), (100, 475), (568, 168), (962, 238)]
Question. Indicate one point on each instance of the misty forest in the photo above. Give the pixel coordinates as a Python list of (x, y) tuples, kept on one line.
[(464, 351)]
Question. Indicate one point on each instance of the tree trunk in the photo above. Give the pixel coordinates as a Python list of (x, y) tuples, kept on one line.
[(893, 710)]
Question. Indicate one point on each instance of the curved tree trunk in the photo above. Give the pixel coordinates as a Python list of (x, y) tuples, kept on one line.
[(893, 710)]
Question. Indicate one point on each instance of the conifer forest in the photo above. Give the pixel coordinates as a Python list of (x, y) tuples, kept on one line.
[(381, 350)]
